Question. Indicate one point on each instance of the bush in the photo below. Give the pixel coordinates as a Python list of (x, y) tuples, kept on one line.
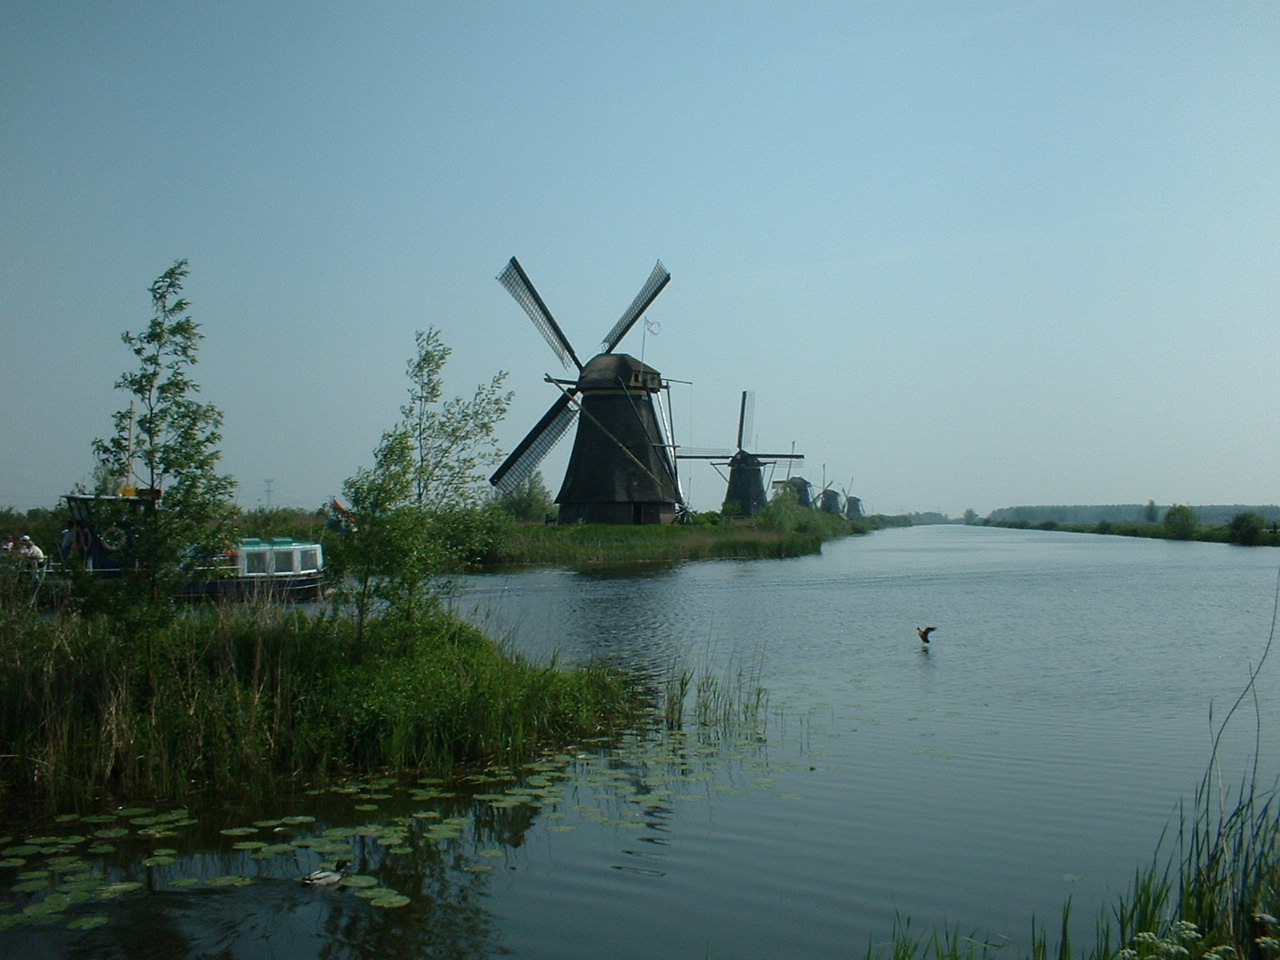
[(1180, 522), (1246, 529)]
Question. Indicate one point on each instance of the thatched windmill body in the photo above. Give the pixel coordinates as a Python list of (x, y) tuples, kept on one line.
[(621, 469)]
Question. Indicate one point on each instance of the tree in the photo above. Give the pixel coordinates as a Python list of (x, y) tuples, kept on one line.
[(416, 510), (165, 448), (384, 559), (454, 441), (1150, 514), (1246, 528), (529, 500), (1180, 522)]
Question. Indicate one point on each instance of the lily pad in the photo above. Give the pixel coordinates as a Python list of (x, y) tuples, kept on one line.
[(88, 922), (112, 890), (271, 850), (111, 833), (390, 903), (359, 880), (374, 893), (239, 831), (160, 861), (229, 880), (248, 845)]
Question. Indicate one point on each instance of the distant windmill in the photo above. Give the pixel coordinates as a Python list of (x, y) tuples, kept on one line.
[(746, 470), (802, 488), (621, 469), (829, 501), (852, 505)]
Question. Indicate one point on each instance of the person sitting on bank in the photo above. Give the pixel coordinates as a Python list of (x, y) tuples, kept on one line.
[(29, 551)]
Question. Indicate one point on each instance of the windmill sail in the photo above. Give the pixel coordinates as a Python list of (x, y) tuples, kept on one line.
[(648, 293), (521, 289), (546, 433), (746, 418)]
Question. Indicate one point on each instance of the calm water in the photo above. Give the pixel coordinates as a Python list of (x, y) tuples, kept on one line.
[(1032, 753)]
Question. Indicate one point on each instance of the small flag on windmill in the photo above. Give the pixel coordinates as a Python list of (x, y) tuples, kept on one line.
[(650, 327)]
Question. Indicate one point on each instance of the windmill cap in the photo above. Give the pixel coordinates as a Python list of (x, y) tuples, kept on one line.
[(605, 370)]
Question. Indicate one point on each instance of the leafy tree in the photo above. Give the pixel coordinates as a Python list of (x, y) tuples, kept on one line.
[(454, 441), (416, 509), (1246, 528), (1180, 522), (529, 500), (1150, 514), (384, 559), (165, 448)]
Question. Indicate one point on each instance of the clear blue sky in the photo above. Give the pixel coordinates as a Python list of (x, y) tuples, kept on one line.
[(968, 254)]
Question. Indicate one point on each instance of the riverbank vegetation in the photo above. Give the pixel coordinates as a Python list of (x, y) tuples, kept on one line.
[(241, 699), (783, 529), (1241, 525), (1180, 522)]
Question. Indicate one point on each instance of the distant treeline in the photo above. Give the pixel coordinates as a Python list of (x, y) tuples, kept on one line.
[(1149, 512)]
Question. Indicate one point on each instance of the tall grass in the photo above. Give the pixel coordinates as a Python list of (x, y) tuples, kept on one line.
[(785, 530), (235, 698)]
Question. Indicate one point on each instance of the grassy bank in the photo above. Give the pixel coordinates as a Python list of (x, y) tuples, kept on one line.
[(240, 698), (783, 530), (1255, 536)]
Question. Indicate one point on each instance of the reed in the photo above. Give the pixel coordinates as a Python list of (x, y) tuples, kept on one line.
[(239, 698), (768, 536)]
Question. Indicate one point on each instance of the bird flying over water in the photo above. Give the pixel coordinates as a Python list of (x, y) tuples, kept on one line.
[(924, 633)]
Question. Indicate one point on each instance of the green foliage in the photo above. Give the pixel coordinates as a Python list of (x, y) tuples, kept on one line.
[(1180, 522), (416, 510), (1246, 529), (530, 501), (240, 698), (293, 522), (385, 560), (166, 445), (454, 440)]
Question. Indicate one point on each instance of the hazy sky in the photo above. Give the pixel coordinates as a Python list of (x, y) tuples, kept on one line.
[(967, 254)]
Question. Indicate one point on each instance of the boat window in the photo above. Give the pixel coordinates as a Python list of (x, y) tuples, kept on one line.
[(284, 561), (310, 560), (255, 561)]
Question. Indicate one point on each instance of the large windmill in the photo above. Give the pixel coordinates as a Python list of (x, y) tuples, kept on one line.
[(621, 469), (746, 470)]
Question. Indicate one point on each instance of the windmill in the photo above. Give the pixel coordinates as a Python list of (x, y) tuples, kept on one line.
[(746, 470), (852, 505), (801, 487), (621, 469), (828, 500)]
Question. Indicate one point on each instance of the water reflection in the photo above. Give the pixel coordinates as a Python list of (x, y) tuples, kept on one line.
[(423, 858)]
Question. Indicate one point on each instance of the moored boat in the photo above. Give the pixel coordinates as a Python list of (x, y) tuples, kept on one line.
[(100, 535)]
